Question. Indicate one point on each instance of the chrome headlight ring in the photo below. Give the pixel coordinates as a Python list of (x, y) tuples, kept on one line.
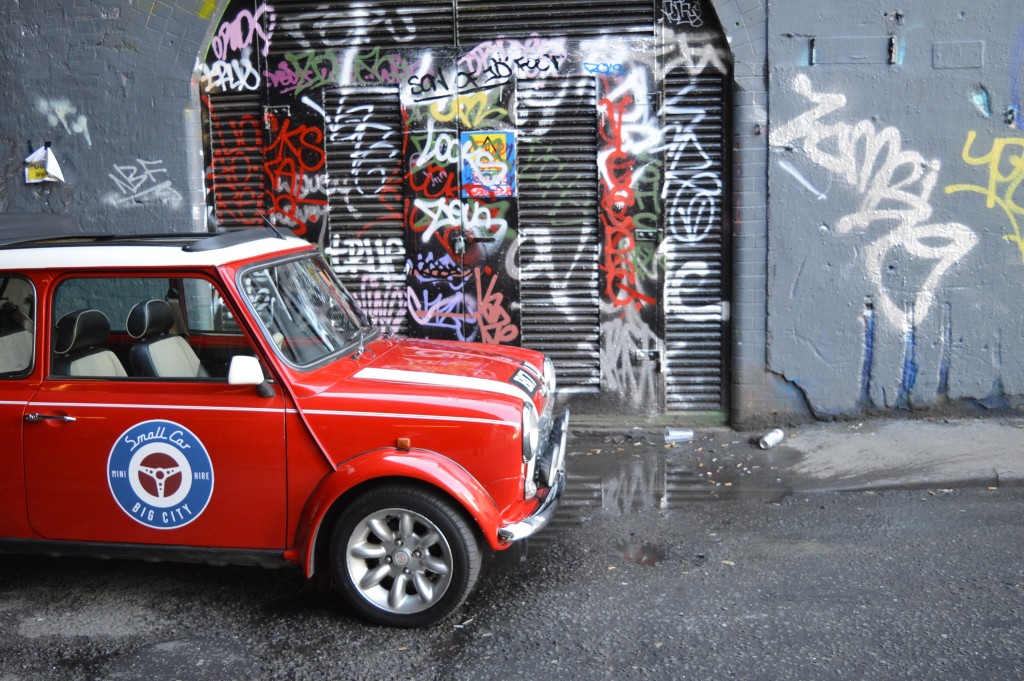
[(550, 381), (531, 442), (531, 431)]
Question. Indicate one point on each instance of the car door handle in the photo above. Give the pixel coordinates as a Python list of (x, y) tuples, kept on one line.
[(36, 417)]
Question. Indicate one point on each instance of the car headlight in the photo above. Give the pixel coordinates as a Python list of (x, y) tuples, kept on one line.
[(549, 375), (531, 431)]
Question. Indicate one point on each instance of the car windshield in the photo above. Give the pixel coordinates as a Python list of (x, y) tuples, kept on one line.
[(306, 312)]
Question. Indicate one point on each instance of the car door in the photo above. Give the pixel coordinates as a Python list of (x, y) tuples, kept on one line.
[(18, 382), (115, 455)]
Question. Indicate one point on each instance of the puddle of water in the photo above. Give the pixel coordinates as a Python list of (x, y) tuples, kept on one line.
[(187, 658), (641, 554)]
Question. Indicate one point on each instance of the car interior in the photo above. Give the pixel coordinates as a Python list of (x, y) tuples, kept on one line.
[(163, 328), (16, 327)]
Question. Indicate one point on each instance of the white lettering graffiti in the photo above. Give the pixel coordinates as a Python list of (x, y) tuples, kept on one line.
[(895, 185)]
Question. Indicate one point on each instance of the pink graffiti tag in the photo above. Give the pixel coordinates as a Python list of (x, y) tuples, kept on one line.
[(240, 32), (492, 319), (302, 71)]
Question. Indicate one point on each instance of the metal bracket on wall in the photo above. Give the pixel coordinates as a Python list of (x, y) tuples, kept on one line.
[(853, 50), (641, 355)]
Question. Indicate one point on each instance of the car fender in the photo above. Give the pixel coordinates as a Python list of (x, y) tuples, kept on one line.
[(419, 465)]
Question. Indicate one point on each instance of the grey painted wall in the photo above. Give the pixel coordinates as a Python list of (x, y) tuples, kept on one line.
[(895, 259)]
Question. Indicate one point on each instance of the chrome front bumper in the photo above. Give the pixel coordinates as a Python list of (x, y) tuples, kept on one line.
[(552, 473)]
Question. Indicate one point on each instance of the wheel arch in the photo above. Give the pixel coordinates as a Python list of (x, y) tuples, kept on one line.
[(417, 468)]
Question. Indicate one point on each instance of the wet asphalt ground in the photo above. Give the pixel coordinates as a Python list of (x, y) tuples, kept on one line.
[(672, 562)]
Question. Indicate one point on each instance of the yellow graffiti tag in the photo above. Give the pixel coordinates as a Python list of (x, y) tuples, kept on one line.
[(1005, 162), (473, 110), (206, 8)]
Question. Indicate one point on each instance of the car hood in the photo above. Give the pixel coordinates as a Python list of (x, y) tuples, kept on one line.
[(514, 372), (463, 399)]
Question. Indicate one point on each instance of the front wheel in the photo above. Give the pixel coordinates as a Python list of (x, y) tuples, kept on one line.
[(404, 556)]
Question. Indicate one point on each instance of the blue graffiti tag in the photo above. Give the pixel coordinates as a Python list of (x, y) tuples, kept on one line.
[(1016, 65)]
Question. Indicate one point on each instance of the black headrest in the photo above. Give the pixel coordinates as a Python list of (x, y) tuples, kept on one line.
[(150, 318), (80, 329)]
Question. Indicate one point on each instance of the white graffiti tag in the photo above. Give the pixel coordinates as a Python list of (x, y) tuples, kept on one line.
[(895, 186), (140, 184), (683, 12), (62, 112)]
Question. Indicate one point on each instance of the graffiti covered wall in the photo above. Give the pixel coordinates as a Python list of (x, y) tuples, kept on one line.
[(895, 258), (561, 186), (592, 210)]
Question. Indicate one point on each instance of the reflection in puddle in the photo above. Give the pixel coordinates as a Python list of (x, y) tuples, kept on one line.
[(641, 554)]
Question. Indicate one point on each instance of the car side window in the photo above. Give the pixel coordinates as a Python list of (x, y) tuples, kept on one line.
[(17, 325), (208, 312), (154, 328)]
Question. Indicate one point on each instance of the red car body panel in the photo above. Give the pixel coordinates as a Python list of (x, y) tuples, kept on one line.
[(447, 415)]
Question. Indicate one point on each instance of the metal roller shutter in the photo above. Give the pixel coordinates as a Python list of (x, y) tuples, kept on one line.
[(560, 244), (482, 20), (310, 25), (236, 159), (693, 302), (555, 120), (363, 139)]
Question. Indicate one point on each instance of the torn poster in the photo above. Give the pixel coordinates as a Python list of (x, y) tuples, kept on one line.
[(41, 166)]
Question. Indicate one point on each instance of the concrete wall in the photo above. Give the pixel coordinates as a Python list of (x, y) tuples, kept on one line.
[(895, 253)]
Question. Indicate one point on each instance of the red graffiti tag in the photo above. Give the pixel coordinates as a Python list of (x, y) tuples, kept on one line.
[(293, 158), (617, 203), (235, 175)]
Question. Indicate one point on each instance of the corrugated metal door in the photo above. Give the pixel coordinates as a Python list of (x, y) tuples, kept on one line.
[(560, 243), (317, 25), (235, 176), (481, 20), (560, 240), (353, 59), (695, 241), (363, 139)]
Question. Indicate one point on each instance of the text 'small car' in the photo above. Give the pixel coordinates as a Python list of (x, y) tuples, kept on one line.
[(223, 398)]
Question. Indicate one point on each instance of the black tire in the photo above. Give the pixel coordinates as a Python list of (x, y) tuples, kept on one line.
[(404, 556)]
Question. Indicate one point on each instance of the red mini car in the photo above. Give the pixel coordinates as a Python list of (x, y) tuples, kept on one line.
[(222, 398)]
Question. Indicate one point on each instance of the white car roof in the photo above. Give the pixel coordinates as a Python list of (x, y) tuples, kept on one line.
[(184, 250)]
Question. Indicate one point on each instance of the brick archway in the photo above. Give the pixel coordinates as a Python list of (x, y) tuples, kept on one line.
[(745, 23)]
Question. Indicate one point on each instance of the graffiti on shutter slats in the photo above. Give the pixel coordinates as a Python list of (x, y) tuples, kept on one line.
[(364, 143), (694, 242), (524, 172), (235, 152), (560, 240)]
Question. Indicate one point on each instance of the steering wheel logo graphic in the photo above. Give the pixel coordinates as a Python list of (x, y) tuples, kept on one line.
[(160, 474)]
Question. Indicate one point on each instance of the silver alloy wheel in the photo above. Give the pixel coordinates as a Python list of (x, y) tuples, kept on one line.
[(399, 561)]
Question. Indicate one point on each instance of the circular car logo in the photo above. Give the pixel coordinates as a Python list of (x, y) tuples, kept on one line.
[(160, 474)]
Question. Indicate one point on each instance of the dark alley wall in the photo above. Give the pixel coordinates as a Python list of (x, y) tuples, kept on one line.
[(843, 239), (110, 85)]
